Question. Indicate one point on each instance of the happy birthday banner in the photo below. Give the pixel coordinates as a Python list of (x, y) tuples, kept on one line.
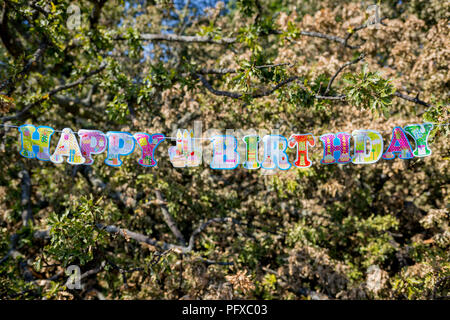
[(368, 147)]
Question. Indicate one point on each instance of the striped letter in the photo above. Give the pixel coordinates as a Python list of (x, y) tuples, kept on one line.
[(420, 133), (148, 144), (187, 152), (91, 142), (364, 155), (336, 148), (225, 155), (35, 141), (119, 144), (275, 146), (67, 147), (251, 152), (302, 141), (399, 144)]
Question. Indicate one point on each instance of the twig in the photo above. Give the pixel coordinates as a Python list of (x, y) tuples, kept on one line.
[(52, 92), (340, 97), (361, 57), (355, 30), (413, 99), (328, 37), (12, 252), (9, 83), (168, 219), (163, 245), (93, 181), (180, 38), (238, 95), (93, 271), (27, 213)]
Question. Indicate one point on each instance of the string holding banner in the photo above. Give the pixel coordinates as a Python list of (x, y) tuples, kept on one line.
[(368, 147)]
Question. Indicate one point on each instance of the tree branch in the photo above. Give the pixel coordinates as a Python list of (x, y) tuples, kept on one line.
[(413, 99), (361, 57), (267, 92), (355, 30), (12, 252), (96, 11), (9, 83), (11, 43), (232, 40), (158, 244), (93, 271), (185, 39), (340, 97), (259, 11), (22, 113), (229, 70), (208, 86), (93, 181), (216, 71), (328, 37), (39, 8), (202, 227), (168, 219), (27, 213)]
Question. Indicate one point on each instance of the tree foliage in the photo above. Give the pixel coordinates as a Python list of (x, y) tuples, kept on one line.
[(340, 231)]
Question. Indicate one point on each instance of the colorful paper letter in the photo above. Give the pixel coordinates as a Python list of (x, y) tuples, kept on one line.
[(225, 155), (275, 146), (119, 144), (35, 141), (302, 141), (251, 152), (187, 152), (67, 147), (372, 154), (420, 133), (91, 142), (399, 144), (148, 144), (336, 148)]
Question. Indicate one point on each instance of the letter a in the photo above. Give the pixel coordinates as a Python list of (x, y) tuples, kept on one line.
[(399, 144), (67, 147)]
